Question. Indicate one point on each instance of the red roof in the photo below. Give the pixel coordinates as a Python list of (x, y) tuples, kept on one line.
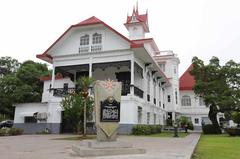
[(187, 81), (140, 18), (90, 21)]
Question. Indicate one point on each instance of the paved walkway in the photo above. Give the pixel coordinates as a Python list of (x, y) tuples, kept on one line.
[(43, 147)]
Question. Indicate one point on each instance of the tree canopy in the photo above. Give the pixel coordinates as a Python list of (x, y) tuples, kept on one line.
[(20, 83), (217, 85)]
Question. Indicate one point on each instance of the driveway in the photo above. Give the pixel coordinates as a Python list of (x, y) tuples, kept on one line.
[(43, 147)]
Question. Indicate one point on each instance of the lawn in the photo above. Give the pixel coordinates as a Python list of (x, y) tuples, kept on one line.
[(218, 147), (166, 134)]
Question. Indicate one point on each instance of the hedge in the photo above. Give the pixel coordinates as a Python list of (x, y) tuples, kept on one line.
[(146, 129), (211, 129), (10, 131)]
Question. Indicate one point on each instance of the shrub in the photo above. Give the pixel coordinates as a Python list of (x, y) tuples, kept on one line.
[(233, 131), (15, 131), (211, 129), (236, 118), (3, 132), (146, 129), (169, 122)]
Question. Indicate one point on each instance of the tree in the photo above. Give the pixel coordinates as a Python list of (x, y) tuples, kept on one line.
[(8, 65), (29, 74), (22, 85), (9, 85), (185, 123), (84, 84), (236, 118), (213, 85), (73, 106)]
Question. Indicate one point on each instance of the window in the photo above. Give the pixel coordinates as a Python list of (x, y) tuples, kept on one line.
[(65, 86), (148, 83), (186, 101), (169, 98), (30, 119), (154, 91), (139, 115), (175, 70), (176, 97), (162, 66), (148, 117), (84, 42), (201, 101), (96, 42), (196, 121), (97, 38)]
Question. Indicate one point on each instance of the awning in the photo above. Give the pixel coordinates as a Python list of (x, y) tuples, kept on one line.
[(23, 114)]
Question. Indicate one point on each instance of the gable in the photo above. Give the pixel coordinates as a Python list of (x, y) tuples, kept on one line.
[(69, 42)]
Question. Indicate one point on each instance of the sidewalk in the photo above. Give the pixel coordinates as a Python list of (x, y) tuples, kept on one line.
[(43, 147), (160, 148)]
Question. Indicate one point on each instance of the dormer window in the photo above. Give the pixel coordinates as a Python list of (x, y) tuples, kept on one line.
[(84, 43), (96, 42), (84, 40), (97, 38)]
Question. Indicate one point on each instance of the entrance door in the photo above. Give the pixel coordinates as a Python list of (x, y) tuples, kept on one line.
[(125, 78), (66, 126)]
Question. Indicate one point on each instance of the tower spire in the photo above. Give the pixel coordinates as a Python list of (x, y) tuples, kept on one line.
[(137, 7)]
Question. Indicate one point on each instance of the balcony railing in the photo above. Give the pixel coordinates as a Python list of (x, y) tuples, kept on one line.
[(61, 92), (138, 92)]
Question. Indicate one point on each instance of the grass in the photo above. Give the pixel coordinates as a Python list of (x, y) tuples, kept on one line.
[(218, 147), (169, 134), (76, 138), (165, 134)]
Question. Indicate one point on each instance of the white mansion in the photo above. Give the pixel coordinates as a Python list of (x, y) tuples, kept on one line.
[(150, 80)]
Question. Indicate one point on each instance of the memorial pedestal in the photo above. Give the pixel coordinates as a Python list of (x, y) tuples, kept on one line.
[(95, 148), (107, 106)]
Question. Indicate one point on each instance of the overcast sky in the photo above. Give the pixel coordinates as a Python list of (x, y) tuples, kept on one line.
[(202, 28)]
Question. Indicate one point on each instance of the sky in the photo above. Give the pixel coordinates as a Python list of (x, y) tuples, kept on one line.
[(202, 28)]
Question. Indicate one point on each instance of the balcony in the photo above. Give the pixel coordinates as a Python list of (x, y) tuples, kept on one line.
[(138, 92), (61, 92)]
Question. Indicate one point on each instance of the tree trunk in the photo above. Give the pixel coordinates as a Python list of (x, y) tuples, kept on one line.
[(213, 115), (85, 118)]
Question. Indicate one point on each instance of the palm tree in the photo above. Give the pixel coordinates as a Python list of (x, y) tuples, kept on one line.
[(84, 84)]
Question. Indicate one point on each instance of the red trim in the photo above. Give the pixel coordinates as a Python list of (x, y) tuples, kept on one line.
[(187, 81), (90, 21), (136, 45), (48, 78)]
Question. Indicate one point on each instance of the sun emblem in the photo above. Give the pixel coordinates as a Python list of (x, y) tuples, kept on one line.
[(108, 84)]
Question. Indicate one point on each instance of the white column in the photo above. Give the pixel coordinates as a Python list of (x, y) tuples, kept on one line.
[(90, 68), (132, 75), (53, 76)]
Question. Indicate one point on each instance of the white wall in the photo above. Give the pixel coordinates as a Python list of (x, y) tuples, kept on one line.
[(71, 41), (46, 96), (27, 108)]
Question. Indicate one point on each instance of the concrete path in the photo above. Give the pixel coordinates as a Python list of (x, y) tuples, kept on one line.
[(43, 147)]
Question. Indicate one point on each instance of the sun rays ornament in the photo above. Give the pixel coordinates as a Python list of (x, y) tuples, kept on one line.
[(109, 84)]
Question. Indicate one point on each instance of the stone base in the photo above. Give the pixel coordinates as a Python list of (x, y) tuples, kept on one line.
[(95, 148)]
